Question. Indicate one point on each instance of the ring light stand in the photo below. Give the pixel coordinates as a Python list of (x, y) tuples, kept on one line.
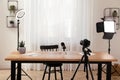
[(19, 14)]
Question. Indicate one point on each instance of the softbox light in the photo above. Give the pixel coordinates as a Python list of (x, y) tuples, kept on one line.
[(108, 27), (100, 27)]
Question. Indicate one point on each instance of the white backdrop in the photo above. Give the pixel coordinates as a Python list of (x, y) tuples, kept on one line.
[(54, 21)]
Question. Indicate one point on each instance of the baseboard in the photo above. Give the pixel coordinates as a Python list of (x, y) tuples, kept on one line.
[(6, 66)]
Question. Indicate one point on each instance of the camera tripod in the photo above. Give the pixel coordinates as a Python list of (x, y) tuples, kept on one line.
[(86, 64)]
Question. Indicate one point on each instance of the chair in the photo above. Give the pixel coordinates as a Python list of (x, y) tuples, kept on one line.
[(50, 65)]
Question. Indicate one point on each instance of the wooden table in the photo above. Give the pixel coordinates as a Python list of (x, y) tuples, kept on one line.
[(64, 57)]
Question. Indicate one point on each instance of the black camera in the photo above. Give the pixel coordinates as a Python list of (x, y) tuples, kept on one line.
[(85, 43)]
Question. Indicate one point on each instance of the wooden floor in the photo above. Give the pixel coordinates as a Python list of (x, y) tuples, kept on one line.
[(37, 75)]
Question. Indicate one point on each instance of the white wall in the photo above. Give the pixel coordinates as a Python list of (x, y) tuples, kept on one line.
[(8, 35)]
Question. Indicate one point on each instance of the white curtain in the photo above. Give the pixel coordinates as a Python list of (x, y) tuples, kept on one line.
[(54, 21)]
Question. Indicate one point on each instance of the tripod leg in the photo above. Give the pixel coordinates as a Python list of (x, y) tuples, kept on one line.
[(77, 68), (86, 69), (91, 72), (8, 77), (87, 65)]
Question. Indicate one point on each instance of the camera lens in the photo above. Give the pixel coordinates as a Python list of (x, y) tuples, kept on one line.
[(81, 42)]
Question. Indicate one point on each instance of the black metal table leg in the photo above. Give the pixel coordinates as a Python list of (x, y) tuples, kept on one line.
[(19, 71), (99, 71), (13, 72), (61, 73), (49, 72), (108, 70), (55, 73)]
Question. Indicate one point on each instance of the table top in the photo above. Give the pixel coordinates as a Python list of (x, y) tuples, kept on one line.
[(59, 56)]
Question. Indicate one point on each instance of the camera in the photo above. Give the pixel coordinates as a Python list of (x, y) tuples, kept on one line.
[(85, 43)]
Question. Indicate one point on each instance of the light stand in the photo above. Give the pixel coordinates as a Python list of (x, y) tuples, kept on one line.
[(109, 49), (85, 60), (108, 27), (18, 34), (19, 14), (108, 36), (109, 46)]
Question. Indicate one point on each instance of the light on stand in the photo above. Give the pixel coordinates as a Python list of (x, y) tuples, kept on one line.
[(19, 14), (108, 28)]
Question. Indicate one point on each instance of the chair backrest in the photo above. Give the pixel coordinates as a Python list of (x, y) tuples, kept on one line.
[(49, 47)]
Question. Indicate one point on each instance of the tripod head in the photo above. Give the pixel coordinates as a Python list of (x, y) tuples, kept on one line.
[(85, 43)]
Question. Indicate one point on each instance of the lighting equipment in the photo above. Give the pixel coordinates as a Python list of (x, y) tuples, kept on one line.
[(86, 51), (108, 28), (19, 14)]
